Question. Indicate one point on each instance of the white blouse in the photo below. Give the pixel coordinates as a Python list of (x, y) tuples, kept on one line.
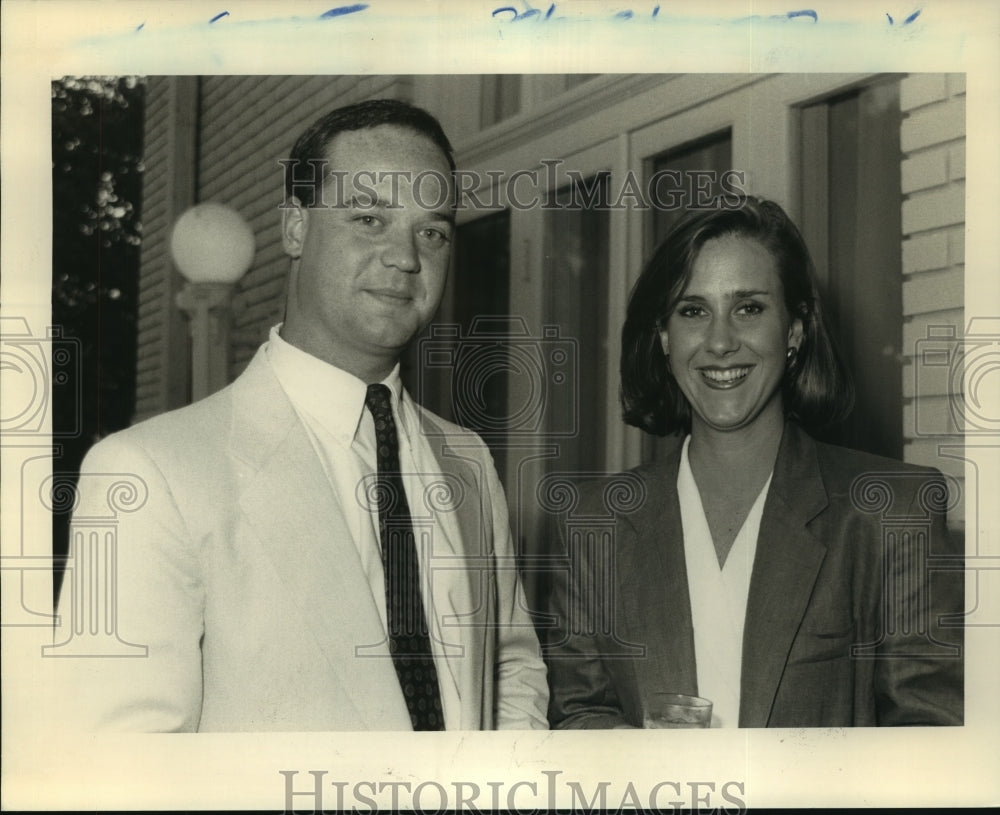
[(718, 596)]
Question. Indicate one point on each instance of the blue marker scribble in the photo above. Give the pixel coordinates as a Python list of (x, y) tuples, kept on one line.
[(218, 16), (524, 15), (912, 17), (340, 11), (528, 13), (140, 26), (624, 15), (656, 11), (806, 12)]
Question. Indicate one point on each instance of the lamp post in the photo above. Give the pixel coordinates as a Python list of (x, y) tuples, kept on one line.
[(212, 247)]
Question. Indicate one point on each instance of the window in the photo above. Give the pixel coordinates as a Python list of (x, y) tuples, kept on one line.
[(695, 169), (851, 205), (501, 98), (457, 375), (577, 231)]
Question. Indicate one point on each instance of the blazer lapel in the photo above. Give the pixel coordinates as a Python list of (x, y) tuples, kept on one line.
[(654, 584), (784, 571), (308, 543)]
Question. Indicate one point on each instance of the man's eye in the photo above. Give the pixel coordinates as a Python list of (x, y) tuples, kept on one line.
[(436, 236), (366, 220)]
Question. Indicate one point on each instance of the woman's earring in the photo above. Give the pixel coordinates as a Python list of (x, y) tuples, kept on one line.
[(791, 357)]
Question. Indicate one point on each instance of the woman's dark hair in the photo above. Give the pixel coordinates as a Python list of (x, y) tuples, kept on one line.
[(314, 142), (817, 387)]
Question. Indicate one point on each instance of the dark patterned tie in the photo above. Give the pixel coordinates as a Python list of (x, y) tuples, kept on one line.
[(409, 642)]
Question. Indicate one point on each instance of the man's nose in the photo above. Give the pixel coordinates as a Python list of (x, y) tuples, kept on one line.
[(401, 252)]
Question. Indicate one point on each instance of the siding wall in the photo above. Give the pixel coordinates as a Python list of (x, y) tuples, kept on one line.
[(933, 184), (168, 187)]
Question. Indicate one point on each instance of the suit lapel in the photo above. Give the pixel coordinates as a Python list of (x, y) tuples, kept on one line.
[(784, 571), (654, 584), (470, 590), (301, 529)]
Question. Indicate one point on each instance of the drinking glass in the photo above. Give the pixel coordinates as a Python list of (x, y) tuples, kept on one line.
[(670, 710)]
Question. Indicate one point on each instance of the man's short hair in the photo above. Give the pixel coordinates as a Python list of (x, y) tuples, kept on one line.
[(315, 142)]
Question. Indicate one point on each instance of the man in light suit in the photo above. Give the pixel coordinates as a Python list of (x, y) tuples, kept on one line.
[(272, 575)]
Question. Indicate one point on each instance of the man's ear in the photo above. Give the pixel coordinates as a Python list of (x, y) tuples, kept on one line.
[(294, 226)]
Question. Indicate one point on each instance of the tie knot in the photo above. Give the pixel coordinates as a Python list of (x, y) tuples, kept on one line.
[(379, 401)]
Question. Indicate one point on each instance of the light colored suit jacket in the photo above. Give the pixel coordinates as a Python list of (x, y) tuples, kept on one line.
[(239, 576), (853, 616)]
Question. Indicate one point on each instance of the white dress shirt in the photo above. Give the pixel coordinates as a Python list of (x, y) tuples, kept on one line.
[(331, 404), (718, 596)]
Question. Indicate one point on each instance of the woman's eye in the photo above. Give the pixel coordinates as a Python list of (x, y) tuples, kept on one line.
[(750, 309), (690, 311)]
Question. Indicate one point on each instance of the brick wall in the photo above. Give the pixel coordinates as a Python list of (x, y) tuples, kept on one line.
[(933, 221)]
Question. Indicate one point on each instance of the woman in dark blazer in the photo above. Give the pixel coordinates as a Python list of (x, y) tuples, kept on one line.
[(794, 583)]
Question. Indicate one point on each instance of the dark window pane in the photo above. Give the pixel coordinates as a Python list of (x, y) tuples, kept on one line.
[(457, 375), (501, 98), (576, 297), (690, 177), (851, 223), (695, 169)]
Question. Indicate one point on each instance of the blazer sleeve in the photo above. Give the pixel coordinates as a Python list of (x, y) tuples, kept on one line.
[(582, 690), (919, 672), (520, 685), (144, 675)]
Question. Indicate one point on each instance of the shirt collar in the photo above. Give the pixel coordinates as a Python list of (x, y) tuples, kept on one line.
[(332, 397)]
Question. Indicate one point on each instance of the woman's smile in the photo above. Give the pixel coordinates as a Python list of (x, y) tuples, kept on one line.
[(726, 377)]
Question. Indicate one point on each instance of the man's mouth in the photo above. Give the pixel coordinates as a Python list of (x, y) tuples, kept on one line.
[(390, 296)]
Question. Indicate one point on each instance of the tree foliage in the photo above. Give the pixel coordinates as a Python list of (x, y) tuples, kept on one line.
[(97, 135), (97, 126)]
